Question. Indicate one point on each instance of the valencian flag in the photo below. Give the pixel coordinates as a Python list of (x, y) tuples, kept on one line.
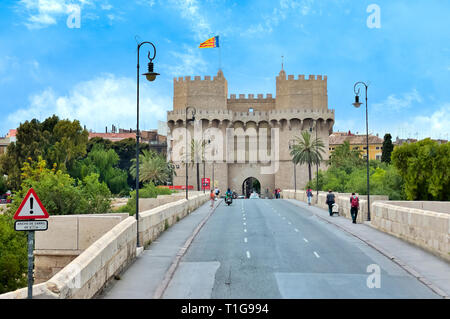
[(210, 43)]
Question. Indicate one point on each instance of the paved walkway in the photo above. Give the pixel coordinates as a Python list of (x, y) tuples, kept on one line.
[(429, 269), (145, 276)]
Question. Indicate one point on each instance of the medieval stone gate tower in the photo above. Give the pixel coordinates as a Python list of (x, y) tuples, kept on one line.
[(234, 130)]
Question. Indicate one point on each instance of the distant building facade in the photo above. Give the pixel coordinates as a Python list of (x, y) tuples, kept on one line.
[(156, 141), (235, 128), (358, 142)]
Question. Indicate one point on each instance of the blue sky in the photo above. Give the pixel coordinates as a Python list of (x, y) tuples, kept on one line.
[(88, 73)]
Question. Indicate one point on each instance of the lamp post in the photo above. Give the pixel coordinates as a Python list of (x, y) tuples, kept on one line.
[(150, 76), (291, 145), (188, 120), (357, 104), (317, 170)]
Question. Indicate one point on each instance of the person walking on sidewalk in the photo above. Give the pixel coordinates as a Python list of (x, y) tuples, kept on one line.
[(309, 194), (354, 202), (330, 202), (212, 198)]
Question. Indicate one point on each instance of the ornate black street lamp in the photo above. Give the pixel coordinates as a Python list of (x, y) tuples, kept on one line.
[(357, 104), (151, 76), (188, 120)]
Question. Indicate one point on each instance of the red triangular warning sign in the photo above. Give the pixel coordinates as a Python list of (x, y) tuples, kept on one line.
[(31, 207)]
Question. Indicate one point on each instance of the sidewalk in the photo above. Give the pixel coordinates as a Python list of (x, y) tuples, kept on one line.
[(427, 268), (148, 276)]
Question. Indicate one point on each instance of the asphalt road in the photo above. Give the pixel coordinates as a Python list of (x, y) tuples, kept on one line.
[(264, 248)]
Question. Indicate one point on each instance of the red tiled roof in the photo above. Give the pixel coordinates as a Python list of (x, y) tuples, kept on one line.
[(113, 136), (339, 138)]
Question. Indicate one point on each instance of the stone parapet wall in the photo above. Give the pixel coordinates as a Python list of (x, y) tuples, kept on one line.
[(342, 199), (255, 116), (427, 229), (86, 275)]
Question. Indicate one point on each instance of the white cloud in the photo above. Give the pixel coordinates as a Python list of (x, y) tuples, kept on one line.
[(436, 125), (97, 103), (43, 13), (392, 103), (279, 14), (190, 62), (190, 10)]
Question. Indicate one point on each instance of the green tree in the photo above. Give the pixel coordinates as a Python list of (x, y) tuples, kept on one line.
[(425, 168), (3, 186), (152, 168), (96, 194), (56, 141), (346, 158), (104, 163), (388, 147), (307, 151), (13, 255), (59, 193)]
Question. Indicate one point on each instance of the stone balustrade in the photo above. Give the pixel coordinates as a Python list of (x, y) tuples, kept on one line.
[(86, 275)]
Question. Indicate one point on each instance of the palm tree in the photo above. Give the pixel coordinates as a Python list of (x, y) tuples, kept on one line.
[(307, 151), (152, 168), (197, 157)]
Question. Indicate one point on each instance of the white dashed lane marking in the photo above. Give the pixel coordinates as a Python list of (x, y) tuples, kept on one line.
[(245, 230), (248, 254), (306, 240), (296, 230), (245, 239), (317, 255)]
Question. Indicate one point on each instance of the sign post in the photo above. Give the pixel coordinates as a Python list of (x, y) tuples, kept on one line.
[(30, 209)]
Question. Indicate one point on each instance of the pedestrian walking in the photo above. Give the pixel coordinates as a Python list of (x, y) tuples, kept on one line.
[(354, 202), (217, 192), (330, 201), (212, 198), (309, 194)]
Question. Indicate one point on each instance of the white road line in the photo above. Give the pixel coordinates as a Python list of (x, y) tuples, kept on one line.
[(289, 223), (245, 230), (248, 254), (284, 217), (317, 255), (306, 240), (296, 230), (245, 224), (245, 239)]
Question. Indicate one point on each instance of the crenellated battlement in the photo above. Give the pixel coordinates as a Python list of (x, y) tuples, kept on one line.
[(301, 77), (251, 97), (198, 78)]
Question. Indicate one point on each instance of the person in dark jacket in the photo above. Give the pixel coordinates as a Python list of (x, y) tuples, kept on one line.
[(330, 201)]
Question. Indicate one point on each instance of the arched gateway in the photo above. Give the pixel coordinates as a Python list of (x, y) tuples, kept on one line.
[(250, 185)]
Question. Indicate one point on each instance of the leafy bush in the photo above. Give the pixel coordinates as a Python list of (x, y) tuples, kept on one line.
[(148, 191), (13, 255), (384, 179)]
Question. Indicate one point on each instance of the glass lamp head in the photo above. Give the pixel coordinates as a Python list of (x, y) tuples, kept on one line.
[(150, 75), (357, 103)]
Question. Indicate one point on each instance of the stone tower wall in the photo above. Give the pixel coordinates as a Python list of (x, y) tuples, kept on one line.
[(208, 94), (301, 93)]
